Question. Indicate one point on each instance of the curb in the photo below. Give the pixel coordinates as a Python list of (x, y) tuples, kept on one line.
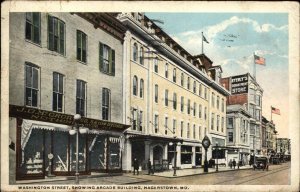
[(203, 173)]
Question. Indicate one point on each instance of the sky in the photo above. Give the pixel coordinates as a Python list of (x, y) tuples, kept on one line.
[(233, 39)]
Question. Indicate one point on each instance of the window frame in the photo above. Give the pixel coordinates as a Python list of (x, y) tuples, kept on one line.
[(166, 70), (82, 49), (135, 85), (174, 75), (54, 20), (166, 97), (106, 106), (80, 111), (141, 88), (33, 88), (174, 101), (156, 93), (135, 52), (106, 65), (32, 27), (59, 92)]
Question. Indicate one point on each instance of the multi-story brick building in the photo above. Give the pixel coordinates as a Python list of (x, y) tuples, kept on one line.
[(63, 64), (171, 98), (247, 92)]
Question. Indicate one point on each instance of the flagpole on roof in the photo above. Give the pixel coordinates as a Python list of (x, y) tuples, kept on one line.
[(254, 67), (271, 113), (202, 41)]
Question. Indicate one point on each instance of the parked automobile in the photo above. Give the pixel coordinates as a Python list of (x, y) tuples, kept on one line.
[(261, 163)]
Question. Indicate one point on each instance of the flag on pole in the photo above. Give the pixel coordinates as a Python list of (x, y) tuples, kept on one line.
[(276, 111), (259, 60), (204, 39)]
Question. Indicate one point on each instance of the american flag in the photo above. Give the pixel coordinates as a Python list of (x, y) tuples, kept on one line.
[(259, 60), (276, 111)]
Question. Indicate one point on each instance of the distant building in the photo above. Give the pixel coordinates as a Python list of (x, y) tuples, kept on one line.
[(283, 145), (247, 92), (268, 136)]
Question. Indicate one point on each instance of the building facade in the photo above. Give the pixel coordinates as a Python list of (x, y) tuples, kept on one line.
[(172, 98), (247, 92), (283, 146), (238, 134), (66, 64)]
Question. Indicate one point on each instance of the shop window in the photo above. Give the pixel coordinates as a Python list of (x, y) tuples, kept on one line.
[(107, 59), (33, 27), (60, 151), (114, 157), (105, 104), (81, 46), (186, 154), (32, 151), (97, 154), (135, 52), (58, 92), (32, 85), (218, 154), (80, 97), (141, 88), (135, 85), (56, 35)]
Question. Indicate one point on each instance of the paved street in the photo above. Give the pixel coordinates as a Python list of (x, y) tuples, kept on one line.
[(277, 175)]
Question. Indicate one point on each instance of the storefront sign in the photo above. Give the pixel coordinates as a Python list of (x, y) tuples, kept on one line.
[(60, 118), (239, 84)]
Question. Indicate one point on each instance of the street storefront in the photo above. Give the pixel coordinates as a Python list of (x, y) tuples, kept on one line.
[(43, 142)]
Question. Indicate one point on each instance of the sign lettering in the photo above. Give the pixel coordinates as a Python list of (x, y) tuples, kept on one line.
[(239, 84)]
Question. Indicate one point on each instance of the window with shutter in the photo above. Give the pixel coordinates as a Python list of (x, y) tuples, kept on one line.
[(106, 59)]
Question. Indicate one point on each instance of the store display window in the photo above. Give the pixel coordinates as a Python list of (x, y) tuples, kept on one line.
[(186, 155), (97, 148), (114, 153)]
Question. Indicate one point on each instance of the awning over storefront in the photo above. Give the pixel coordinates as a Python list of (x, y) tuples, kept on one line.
[(64, 119), (137, 137)]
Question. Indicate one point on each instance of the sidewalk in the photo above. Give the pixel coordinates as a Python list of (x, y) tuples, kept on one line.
[(197, 171)]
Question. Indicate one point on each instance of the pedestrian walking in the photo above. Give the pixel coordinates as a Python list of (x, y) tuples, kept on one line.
[(230, 163), (135, 166), (233, 163), (150, 169)]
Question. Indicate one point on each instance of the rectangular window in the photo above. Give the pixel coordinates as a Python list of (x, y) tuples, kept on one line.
[(223, 105), (80, 97), (252, 110), (182, 79), (32, 85), (156, 94), (107, 59), (58, 92), (212, 121), (257, 114), (200, 111), (230, 136), (194, 87), (174, 127), (166, 98), (200, 130), (194, 131), (33, 27), (230, 123), (218, 122), (81, 46), (218, 102), (105, 104), (134, 118), (56, 35), (155, 65), (205, 93), (141, 121), (181, 129), (166, 125), (188, 83), (188, 131), (174, 101), (182, 104), (194, 109), (166, 71), (205, 113), (213, 100), (189, 107), (200, 90), (156, 123), (258, 100), (222, 124), (174, 75)]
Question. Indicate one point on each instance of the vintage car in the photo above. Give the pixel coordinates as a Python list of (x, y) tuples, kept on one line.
[(261, 163)]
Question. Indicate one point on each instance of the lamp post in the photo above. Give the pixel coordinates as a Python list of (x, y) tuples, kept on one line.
[(205, 144), (175, 157), (76, 131), (217, 152)]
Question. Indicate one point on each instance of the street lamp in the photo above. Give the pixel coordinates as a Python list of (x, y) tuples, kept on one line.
[(217, 154), (205, 144), (76, 131)]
